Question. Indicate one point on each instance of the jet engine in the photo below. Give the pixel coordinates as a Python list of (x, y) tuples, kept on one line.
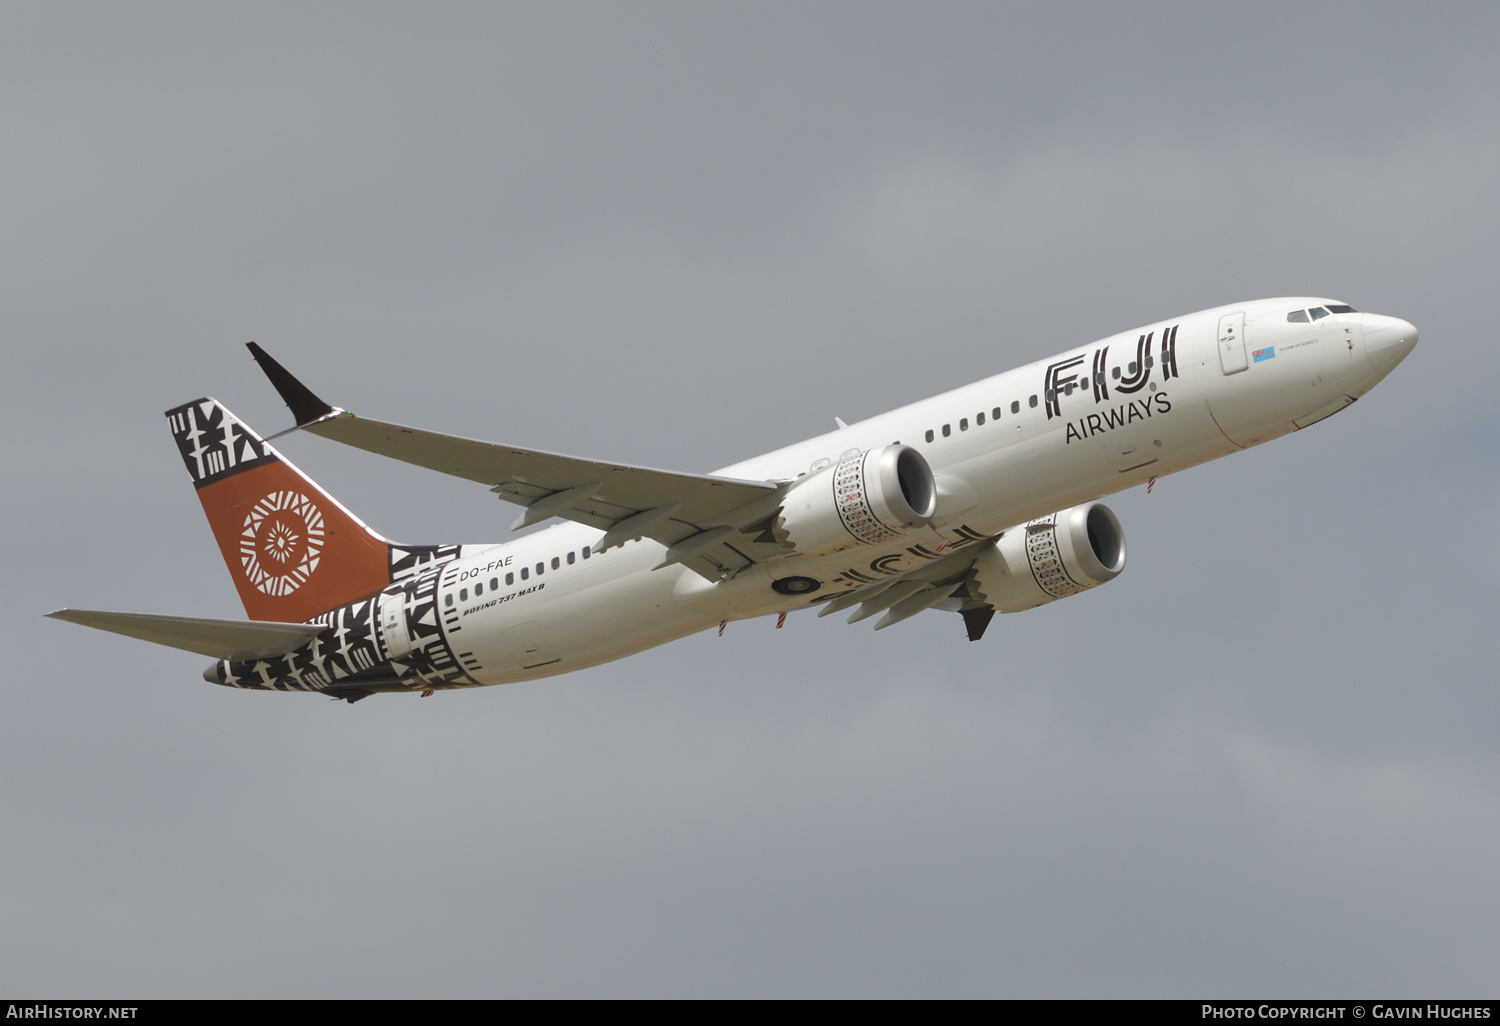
[(1050, 558), (865, 498)]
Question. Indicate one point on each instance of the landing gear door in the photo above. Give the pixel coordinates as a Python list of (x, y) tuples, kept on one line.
[(1232, 343)]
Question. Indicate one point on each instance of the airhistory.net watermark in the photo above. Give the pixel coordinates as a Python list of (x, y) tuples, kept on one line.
[(44, 1010)]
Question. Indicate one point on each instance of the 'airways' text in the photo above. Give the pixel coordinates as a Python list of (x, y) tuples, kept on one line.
[(1117, 416)]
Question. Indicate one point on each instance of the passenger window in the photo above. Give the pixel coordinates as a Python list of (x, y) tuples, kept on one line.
[(978, 420), (1318, 313), (1015, 406), (1297, 317), (478, 590), (556, 562), (1134, 367), (585, 552), (1115, 373), (448, 599), (525, 574), (996, 412), (1068, 388), (494, 584), (929, 434), (1032, 401), (947, 430), (963, 423), (1051, 394), (539, 568), (1150, 362), (570, 559), (463, 594), (510, 578)]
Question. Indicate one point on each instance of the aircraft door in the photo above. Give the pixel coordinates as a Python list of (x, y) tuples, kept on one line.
[(1232, 343), (393, 626)]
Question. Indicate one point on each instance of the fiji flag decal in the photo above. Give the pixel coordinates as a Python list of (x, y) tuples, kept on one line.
[(1268, 353)]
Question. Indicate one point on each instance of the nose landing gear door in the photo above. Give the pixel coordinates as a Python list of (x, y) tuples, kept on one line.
[(1232, 343)]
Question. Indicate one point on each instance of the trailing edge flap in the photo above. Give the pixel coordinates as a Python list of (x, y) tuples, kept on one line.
[(585, 491), (235, 640), (942, 580)]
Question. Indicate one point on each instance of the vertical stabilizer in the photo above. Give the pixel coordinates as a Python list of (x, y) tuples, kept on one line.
[(292, 549)]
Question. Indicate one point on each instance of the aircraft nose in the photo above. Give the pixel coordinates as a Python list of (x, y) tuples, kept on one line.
[(1388, 340)]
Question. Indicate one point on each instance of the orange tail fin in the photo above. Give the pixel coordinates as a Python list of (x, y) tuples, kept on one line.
[(292, 549)]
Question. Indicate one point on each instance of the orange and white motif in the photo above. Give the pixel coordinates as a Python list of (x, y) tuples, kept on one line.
[(298, 552), (281, 542)]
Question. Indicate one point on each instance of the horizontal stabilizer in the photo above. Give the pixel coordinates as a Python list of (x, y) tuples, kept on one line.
[(235, 640)]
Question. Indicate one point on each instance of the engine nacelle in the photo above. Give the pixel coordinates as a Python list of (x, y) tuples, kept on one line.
[(1050, 558), (865, 498)]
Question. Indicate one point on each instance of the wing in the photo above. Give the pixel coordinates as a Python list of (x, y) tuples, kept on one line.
[(235, 640), (947, 583), (707, 523)]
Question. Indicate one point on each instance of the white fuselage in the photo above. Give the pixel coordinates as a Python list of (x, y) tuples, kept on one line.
[(1236, 376)]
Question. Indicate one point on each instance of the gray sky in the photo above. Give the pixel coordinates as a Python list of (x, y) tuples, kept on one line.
[(1263, 761)]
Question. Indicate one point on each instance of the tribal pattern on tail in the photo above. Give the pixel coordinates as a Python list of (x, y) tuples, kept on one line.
[(214, 443), (356, 652)]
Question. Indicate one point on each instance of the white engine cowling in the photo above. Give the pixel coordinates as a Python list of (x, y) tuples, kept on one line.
[(864, 499), (1050, 558)]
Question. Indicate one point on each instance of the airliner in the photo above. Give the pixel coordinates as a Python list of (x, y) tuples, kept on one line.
[(980, 500)]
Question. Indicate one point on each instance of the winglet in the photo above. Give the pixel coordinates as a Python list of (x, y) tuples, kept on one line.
[(305, 406)]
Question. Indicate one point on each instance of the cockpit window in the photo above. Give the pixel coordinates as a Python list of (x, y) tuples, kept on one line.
[(1341, 308), (1297, 316), (1318, 312)]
